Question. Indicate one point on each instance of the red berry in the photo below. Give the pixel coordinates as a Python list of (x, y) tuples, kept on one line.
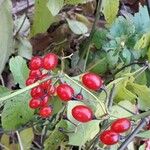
[(35, 73), (37, 92), (30, 81), (65, 92), (82, 113), (109, 137), (35, 63), (45, 112), (50, 61), (92, 81), (79, 96), (34, 103), (121, 125), (47, 83), (51, 90), (44, 101)]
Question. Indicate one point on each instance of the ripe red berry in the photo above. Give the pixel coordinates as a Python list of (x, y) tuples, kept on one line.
[(44, 101), (65, 92), (92, 81), (109, 137), (45, 112), (35, 73), (35, 63), (47, 83), (30, 81), (82, 113), (51, 90), (37, 92), (121, 125), (79, 96), (34, 103), (50, 61)]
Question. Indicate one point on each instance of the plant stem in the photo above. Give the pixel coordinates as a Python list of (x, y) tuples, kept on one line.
[(87, 44), (101, 104), (19, 140), (26, 88), (133, 134)]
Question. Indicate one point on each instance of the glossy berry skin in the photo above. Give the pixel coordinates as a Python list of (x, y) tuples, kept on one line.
[(65, 92), (35, 63), (51, 90), (109, 137), (37, 92), (35, 73), (50, 61), (82, 113), (92, 81), (30, 81), (45, 112), (47, 83), (44, 101), (79, 96), (121, 125), (34, 103)]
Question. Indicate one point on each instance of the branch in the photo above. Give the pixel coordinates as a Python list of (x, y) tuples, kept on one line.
[(19, 140)]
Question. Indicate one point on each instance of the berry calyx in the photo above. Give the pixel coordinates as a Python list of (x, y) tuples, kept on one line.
[(50, 61), (79, 96), (121, 125), (45, 112), (109, 137), (44, 101), (92, 81), (37, 92), (35, 63), (65, 92), (82, 113), (35, 73), (30, 81), (34, 103)]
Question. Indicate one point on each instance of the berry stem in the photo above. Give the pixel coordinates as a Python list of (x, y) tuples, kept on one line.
[(101, 104), (26, 88)]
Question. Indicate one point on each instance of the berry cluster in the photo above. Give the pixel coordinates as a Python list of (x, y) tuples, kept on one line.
[(111, 136), (42, 93)]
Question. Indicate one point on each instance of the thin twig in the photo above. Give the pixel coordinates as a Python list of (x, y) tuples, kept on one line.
[(19, 140)]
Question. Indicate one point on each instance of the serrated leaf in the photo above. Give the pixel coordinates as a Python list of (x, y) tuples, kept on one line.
[(143, 95), (74, 2), (56, 137), (119, 112), (19, 70), (143, 42), (110, 10), (55, 6), (6, 32), (145, 134), (24, 48), (26, 138), (16, 112), (77, 27), (42, 17)]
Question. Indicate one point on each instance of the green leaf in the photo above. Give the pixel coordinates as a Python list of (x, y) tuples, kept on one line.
[(42, 17), (148, 54), (74, 2), (145, 134), (55, 6), (143, 95), (16, 112), (6, 32), (4, 91), (77, 27), (119, 112), (19, 70), (57, 104), (143, 42), (24, 48), (26, 138), (142, 20), (99, 37), (56, 137), (110, 10)]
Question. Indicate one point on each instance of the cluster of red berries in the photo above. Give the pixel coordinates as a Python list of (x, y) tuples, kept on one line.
[(111, 136), (42, 93)]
